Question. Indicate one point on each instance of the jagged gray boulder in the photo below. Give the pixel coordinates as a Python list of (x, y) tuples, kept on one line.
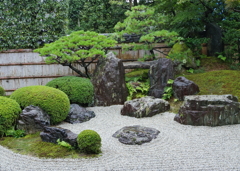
[(136, 135), (182, 87), (52, 134), (109, 81), (209, 110), (78, 114), (159, 74), (33, 119), (144, 107)]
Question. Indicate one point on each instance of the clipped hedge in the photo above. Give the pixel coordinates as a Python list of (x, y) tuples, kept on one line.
[(89, 142), (31, 23), (79, 90), (9, 112), (51, 100), (2, 91)]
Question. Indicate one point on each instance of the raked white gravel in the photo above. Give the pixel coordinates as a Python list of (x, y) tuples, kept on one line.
[(177, 147)]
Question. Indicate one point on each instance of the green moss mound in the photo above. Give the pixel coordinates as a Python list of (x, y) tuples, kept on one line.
[(9, 112), (89, 142), (79, 90), (141, 74), (180, 52), (217, 82), (51, 100), (2, 91)]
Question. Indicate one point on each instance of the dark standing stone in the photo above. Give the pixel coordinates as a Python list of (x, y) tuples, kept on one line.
[(136, 135), (159, 74), (52, 134), (209, 110), (33, 119), (144, 107), (215, 44), (182, 87), (79, 114), (109, 81)]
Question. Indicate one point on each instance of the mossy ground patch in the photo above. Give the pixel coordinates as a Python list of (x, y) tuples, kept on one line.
[(33, 145)]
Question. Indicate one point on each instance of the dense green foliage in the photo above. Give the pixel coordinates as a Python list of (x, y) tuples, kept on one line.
[(78, 47), (89, 142), (30, 23), (51, 100), (9, 112), (79, 90), (137, 83), (192, 18), (2, 91), (95, 15), (141, 21)]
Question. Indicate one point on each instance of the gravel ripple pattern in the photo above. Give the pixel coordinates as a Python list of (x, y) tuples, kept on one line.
[(177, 147)]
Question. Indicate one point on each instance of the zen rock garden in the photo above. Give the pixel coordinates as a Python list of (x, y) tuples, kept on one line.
[(208, 110)]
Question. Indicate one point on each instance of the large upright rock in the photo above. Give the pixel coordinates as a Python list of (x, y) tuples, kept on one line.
[(215, 44), (159, 74), (33, 119), (183, 87), (109, 81), (209, 110)]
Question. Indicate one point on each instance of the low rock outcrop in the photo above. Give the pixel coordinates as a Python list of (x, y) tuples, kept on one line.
[(144, 107), (79, 114), (159, 74), (52, 134), (136, 135), (33, 119), (182, 87), (109, 81), (209, 110)]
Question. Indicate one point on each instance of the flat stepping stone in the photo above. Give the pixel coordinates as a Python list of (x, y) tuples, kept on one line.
[(136, 135)]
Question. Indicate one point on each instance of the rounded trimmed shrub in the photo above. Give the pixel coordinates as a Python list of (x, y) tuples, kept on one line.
[(89, 142), (9, 112), (79, 90), (2, 91), (51, 100)]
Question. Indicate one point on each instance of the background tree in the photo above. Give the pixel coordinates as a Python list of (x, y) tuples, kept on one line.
[(79, 47), (191, 17), (140, 21), (94, 15)]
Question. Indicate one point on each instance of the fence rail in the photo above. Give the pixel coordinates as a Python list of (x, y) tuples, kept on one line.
[(23, 67)]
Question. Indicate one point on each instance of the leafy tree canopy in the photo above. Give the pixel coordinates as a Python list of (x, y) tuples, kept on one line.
[(191, 17), (79, 47), (140, 21)]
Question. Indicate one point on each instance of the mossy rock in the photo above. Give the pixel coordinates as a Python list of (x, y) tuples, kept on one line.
[(9, 112), (181, 53), (2, 91), (51, 100), (89, 142), (79, 90)]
